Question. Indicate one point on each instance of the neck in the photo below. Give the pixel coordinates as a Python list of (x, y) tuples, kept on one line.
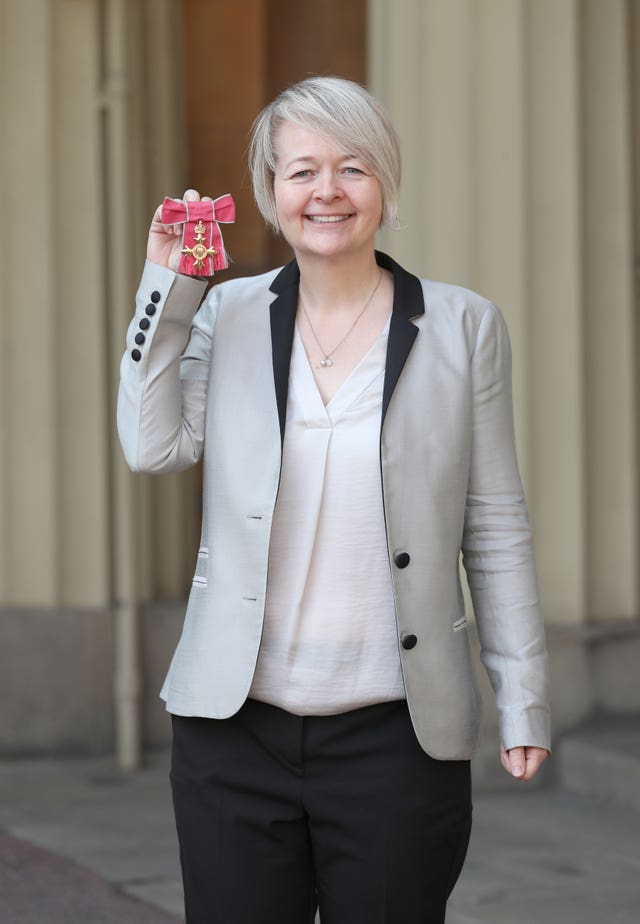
[(338, 284)]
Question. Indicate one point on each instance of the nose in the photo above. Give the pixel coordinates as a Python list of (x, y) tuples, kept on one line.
[(327, 187)]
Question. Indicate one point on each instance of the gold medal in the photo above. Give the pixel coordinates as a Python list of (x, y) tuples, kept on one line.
[(199, 251)]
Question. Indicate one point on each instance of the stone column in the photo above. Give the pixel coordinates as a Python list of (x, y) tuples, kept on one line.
[(610, 354)]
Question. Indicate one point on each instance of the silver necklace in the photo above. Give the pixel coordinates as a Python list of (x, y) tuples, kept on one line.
[(327, 361)]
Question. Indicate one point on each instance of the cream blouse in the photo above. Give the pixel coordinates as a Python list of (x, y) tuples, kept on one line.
[(329, 642)]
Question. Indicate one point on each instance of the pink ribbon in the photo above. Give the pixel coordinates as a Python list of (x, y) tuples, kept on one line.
[(222, 209)]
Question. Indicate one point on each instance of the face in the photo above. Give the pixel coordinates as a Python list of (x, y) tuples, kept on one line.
[(328, 201)]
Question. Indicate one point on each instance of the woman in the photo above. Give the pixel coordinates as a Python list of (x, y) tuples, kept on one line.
[(357, 433)]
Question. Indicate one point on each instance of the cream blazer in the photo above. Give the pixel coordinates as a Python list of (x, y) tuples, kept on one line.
[(211, 380)]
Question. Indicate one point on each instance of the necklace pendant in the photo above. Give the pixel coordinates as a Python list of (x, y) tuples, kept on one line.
[(326, 362)]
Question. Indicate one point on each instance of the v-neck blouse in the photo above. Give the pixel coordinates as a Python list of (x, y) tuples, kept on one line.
[(329, 641)]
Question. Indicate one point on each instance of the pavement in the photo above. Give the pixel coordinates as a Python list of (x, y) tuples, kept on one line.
[(81, 841)]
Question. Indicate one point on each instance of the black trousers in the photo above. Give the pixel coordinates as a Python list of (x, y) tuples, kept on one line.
[(278, 814)]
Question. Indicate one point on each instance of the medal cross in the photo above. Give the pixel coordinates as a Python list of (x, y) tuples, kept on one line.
[(199, 251)]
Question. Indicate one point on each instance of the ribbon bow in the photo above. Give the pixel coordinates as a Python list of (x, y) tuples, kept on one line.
[(203, 250)]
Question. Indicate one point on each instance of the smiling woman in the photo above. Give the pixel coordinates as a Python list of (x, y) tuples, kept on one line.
[(357, 432)]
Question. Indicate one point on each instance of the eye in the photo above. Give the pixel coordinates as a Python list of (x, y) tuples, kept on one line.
[(353, 171), (300, 174)]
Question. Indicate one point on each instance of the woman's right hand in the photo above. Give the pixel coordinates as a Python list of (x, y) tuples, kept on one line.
[(165, 241)]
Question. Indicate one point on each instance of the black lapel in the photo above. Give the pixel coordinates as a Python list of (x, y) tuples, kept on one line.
[(408, 302), (283, 321)]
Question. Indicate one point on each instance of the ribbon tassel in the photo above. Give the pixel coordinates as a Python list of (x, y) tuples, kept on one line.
[(203, 250)]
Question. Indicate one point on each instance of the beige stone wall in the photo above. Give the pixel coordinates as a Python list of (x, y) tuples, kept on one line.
[(53, 432), (516, 122)]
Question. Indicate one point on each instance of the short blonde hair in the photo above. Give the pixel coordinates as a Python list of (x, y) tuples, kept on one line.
[(348, 116)]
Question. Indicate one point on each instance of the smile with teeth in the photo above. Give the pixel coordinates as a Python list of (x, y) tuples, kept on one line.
[(327, 219)]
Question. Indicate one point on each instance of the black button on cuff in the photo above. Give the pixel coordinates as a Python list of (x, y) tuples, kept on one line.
[(409, 642), (144, 323), (402, 559), (155, 296), (140, 339), (150, 309), (136, 355)]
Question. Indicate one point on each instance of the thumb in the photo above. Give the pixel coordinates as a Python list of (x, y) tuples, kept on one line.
[(516, 761)]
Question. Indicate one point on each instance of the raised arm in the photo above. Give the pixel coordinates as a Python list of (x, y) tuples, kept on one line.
[(165, 368)]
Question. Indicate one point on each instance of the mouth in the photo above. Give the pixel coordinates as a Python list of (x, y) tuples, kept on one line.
[(327, 219)]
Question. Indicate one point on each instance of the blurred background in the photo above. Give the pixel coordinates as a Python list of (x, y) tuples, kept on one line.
[(520, 128)]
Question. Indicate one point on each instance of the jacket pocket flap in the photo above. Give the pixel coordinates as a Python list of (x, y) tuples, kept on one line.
[(200, 575)]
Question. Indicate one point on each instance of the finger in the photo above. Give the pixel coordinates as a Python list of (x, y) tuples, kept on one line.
[(517, 764), (504, 759), (534, 758), (190, 195), (157, 224), (172, 229), (207, 199)]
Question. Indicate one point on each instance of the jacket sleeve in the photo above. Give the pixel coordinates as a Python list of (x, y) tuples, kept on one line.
[(497, 549), (164, 372)]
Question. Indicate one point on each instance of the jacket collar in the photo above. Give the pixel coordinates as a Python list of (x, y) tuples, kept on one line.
[(408, 304)]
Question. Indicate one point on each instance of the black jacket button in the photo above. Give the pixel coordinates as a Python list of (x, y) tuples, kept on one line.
[(150, 309), (140, 339), (155, 296), (144, 323), (136, 355), (402, 559), (409, 641)]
